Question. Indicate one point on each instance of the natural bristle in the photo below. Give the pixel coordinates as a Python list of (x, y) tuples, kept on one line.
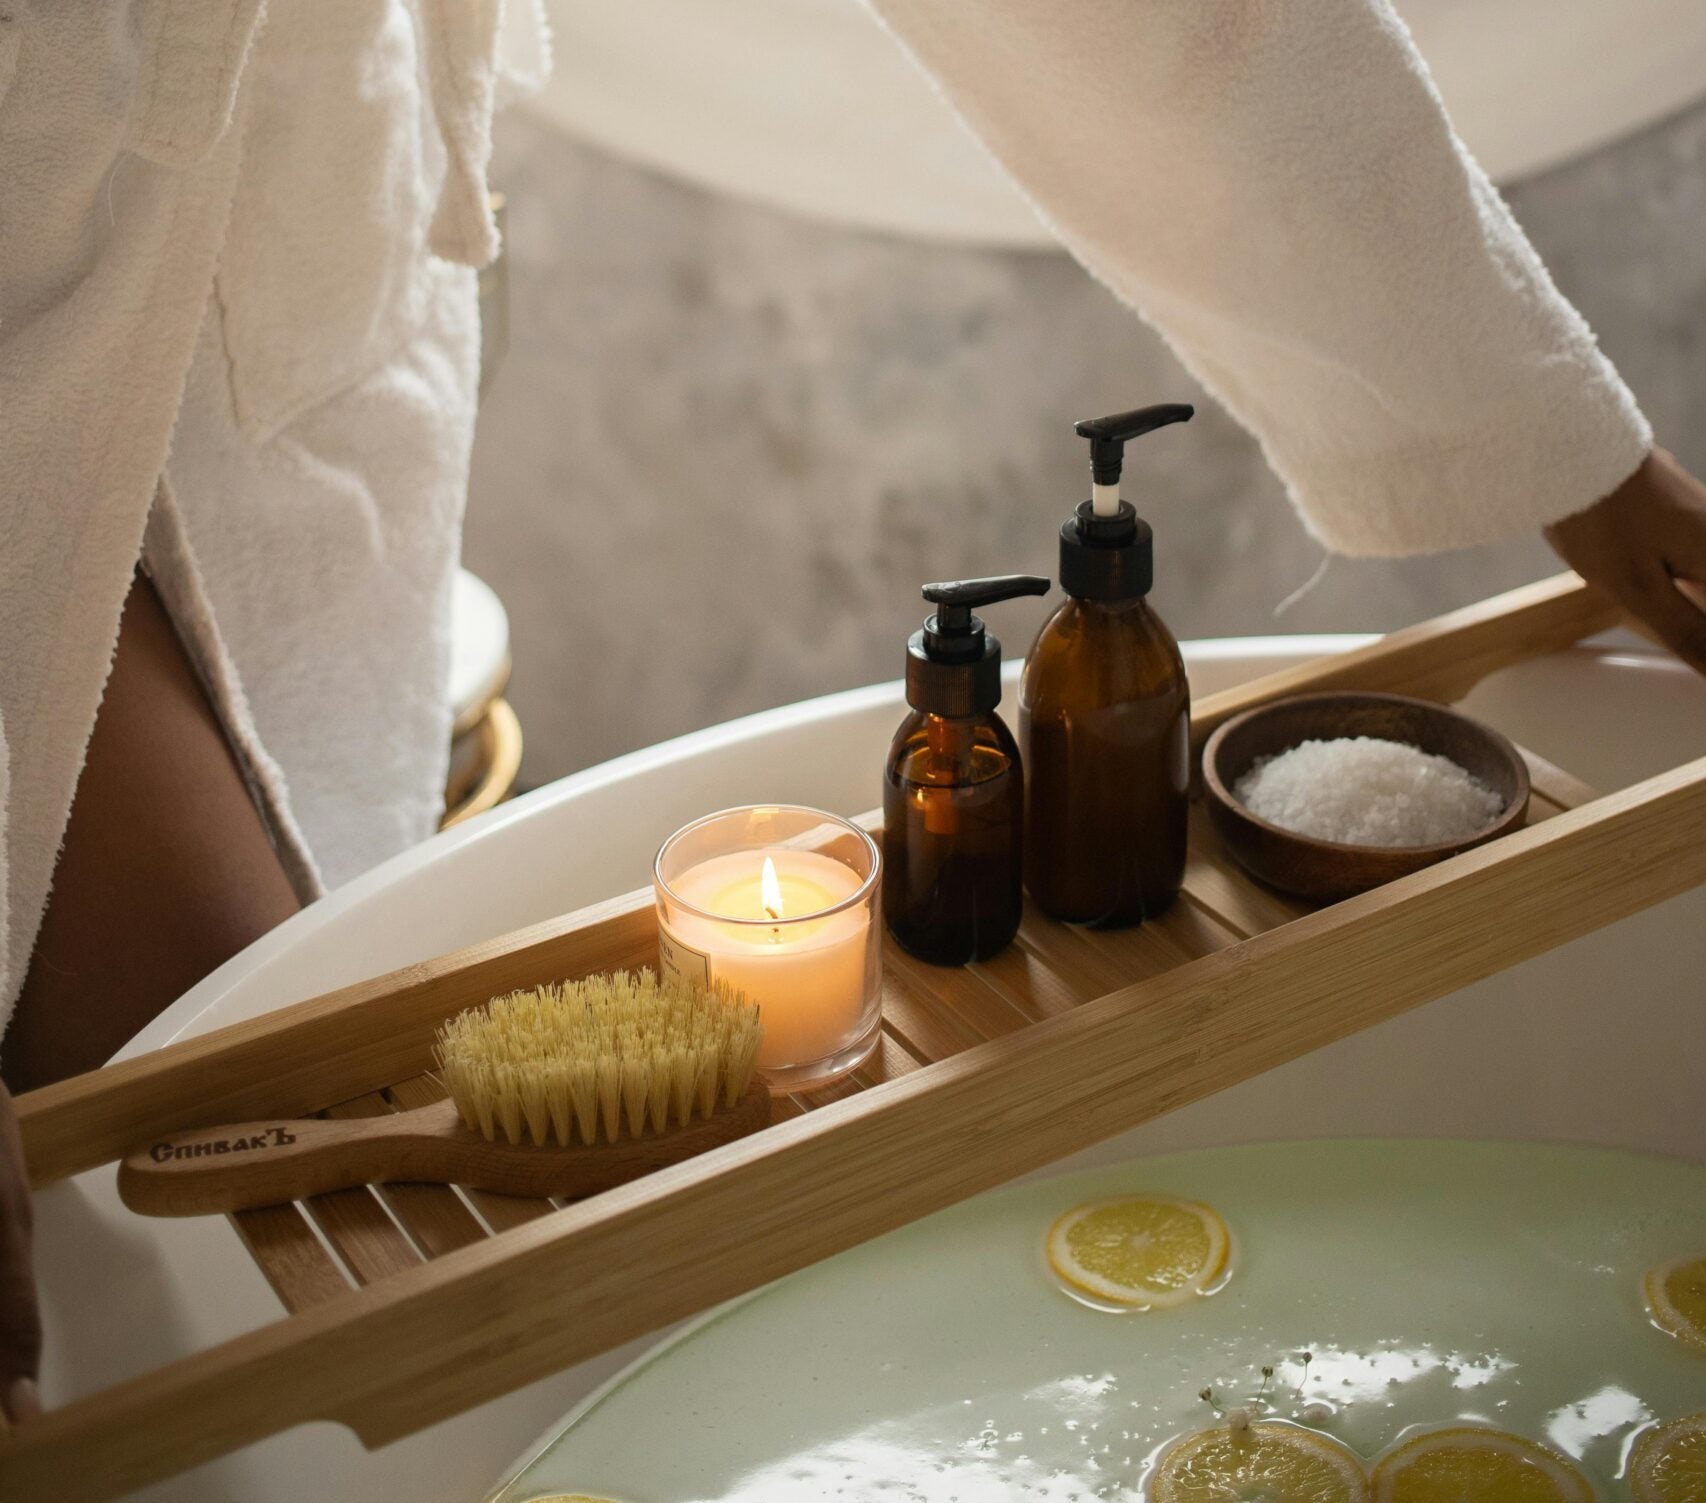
[(595, 1060)]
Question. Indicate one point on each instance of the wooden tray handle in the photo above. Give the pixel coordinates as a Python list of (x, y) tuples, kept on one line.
[(249, 1164), (1442, 659)]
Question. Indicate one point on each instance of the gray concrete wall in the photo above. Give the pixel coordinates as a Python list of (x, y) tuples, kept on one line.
[(727, 445)]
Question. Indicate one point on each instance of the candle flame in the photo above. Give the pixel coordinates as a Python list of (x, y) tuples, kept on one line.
[(771, 890)]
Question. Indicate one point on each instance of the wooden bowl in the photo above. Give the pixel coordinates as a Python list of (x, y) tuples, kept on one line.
[(1324, 870)]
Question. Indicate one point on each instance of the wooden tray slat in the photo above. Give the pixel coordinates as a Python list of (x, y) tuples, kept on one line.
[(291, 1256), (891, 1061), (1152, 950), (499, 1212), (1224, 893), (503, 1213), (1025, 980), (954, 994), (357, 1224), (435, 1217), (1187, 930), (405, 1222), (912, 1015), (1062, 951), (836, 1090)]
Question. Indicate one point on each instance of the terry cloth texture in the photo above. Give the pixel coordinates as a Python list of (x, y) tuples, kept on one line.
[(229, 347), (1275, 186)]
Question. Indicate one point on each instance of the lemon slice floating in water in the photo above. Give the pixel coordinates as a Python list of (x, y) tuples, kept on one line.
[(1140, 1250), (1676, 1294), (1270, 1461), (1468, 1464), (1669, 1463)]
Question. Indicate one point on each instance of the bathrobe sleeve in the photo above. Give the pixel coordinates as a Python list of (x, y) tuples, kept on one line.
[(1274, 185)]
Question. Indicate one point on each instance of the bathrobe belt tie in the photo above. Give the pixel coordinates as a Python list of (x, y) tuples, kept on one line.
[(460, 40)]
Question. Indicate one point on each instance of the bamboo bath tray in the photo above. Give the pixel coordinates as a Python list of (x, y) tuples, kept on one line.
[(411, 1303)]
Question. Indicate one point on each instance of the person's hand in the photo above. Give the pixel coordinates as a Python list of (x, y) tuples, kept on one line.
[(20, 1321), (1645, 545)]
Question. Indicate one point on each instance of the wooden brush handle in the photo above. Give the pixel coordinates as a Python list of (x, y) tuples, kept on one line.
[(250, 1164)]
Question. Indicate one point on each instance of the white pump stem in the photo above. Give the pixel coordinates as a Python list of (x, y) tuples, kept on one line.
[(1105, 499)]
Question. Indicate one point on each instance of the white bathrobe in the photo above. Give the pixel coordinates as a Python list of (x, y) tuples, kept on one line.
[(238, 338), (239, 344)]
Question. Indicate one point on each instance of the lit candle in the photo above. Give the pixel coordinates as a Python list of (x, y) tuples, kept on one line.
[(762, 926)]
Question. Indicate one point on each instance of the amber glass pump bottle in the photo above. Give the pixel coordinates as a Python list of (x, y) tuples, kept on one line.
[(1105, 712), (953, 794)]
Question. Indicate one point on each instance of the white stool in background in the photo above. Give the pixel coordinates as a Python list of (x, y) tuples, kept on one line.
[(485, 746)]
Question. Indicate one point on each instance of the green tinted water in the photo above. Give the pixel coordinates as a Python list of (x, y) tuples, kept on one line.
[(1490, 1283)]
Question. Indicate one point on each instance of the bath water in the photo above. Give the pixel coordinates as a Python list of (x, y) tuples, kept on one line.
[(1431, 1282)]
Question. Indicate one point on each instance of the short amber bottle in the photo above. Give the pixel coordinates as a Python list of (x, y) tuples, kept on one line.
[(953, 792), (1105, 714), (953, 827)]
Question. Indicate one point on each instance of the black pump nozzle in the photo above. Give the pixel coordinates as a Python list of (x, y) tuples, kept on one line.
[(959, 597), (1108, 435), (1106, 549), (953, 666)]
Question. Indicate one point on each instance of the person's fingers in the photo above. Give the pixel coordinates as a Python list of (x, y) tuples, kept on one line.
[(20, 1328), (1654, 598), (20, 1316), (1682, 543), (1645, 546), (1684, 546), (23, 1400)]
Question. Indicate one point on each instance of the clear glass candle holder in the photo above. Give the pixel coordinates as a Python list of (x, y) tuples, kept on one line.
[(782, 903)]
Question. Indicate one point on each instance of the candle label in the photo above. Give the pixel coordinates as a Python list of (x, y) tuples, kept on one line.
[(678, 961)]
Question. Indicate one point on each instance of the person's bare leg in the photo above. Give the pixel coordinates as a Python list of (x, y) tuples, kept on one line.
[(166, 870)]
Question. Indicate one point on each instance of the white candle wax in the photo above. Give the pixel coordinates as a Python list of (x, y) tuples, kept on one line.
[(807, 975)]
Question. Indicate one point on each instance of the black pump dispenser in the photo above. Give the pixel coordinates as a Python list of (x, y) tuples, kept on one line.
[(953, 666), (1106, 549)]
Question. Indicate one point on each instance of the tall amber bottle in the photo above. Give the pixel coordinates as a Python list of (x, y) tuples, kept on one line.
[(1105, 713), (953, 794)]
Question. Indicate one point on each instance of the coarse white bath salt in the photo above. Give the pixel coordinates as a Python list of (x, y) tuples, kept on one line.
[(1361, 790)]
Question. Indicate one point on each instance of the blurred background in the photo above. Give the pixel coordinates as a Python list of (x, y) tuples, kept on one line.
[(783, 345)]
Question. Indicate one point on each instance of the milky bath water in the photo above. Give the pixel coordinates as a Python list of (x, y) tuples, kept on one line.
[(1430, 1283)]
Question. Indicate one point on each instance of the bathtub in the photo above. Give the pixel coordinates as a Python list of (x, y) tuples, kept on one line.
[(1601, 1041)]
